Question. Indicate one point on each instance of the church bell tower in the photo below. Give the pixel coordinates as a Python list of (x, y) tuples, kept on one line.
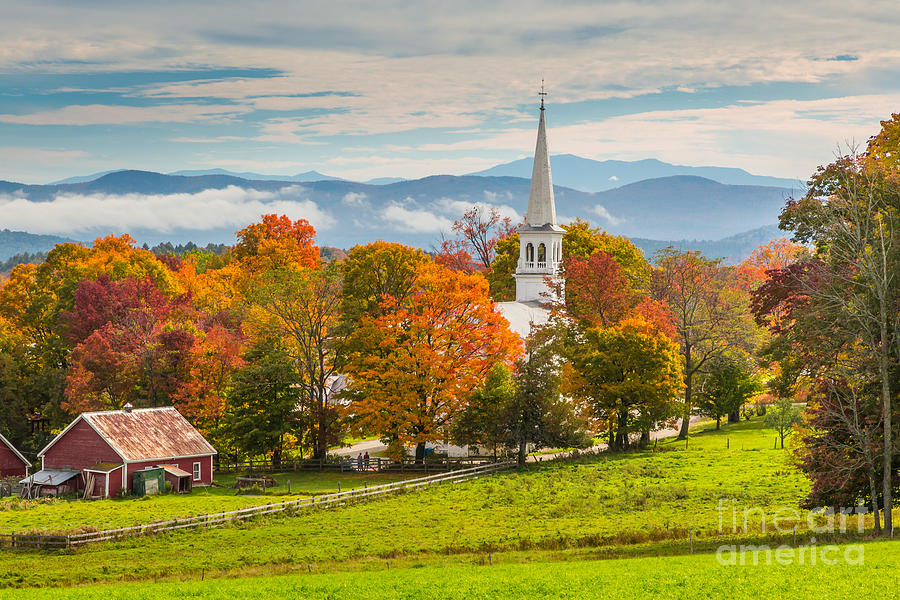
[(540, 238)]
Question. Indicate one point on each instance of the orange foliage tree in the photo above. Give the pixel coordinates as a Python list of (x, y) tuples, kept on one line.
[(777, 254), (276, 242), (418, 363)]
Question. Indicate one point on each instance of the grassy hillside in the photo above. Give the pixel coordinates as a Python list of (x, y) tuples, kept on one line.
[(54, 515), (696, 576), (639, 502)]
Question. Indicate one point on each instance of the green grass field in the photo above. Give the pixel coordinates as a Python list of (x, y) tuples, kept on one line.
[(636, 503), (52, 515), (694, 576)]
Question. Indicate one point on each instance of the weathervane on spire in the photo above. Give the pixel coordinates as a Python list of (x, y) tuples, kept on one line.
[(542, 93)]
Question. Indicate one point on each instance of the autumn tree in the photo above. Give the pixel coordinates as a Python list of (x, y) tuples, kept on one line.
[(500, 275), (481, 422), (418, 362), (710, 313), (23, 390), (850, 290), (131, 344), (213, 360), (595, 290), (777, 254), (581, 240), (288, 293), (375, 272), (840, 443), (277, 242), (883, 149), (478, 232), (630, 375), (522, 410)]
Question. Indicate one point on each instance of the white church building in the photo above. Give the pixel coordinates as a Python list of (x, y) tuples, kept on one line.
[(540, 246), (540, 253)]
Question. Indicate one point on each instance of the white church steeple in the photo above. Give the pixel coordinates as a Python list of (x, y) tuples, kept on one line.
[(540, 238), (541, 204)]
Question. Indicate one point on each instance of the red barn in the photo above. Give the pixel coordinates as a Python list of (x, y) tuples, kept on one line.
[(12, 463), (106, 448)]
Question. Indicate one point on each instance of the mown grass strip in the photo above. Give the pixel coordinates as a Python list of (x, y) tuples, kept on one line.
[(696, 576)]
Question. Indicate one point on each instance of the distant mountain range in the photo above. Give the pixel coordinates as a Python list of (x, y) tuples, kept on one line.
[(299, 178), (20, 242), (732, 249), (596, 176), (415, 212), (570, 171)]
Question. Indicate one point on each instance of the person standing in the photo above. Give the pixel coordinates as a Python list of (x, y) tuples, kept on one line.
[(359, 462), (366, 460)]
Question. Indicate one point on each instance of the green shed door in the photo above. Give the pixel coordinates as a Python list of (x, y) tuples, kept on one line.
[(148, 482)]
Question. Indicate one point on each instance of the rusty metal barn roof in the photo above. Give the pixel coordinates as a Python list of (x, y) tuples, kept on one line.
[(149, 433)]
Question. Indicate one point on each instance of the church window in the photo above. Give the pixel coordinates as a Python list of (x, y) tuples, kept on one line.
[(542, 253), (529, 253)]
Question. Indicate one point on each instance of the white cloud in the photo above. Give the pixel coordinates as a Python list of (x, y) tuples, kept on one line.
[(456, 208), (604, 214), (392, 67), (24, 153), (613, 178), (208, 140), (209, 209), (354, 199), (415, 220)]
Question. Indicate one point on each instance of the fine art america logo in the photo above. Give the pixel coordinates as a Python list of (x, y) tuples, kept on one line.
[(785, 521)]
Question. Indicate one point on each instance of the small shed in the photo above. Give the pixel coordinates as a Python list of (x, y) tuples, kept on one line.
[(148, 481), (50, 482), (178, 478), (12, 463)]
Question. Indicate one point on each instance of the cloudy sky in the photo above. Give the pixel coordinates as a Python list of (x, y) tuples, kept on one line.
[(370, 89)]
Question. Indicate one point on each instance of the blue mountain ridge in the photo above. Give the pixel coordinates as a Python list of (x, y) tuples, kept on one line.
[(668, 208)]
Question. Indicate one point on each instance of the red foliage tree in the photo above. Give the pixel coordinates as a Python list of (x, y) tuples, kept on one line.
[(596, 290), (133, 343), (480, 229)]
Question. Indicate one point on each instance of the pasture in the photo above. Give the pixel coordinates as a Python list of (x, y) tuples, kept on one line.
[(635, 503), (58, 515)]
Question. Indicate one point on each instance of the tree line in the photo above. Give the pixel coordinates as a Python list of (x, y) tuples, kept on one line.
[(270, 350), (834, 316)]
